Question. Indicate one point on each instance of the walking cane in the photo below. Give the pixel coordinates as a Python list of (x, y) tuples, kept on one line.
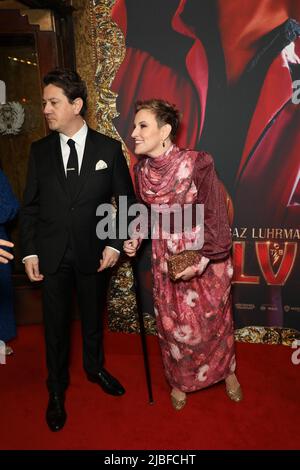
[(142, 330)]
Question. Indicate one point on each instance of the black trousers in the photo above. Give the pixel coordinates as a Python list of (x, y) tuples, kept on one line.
[(58, 289)]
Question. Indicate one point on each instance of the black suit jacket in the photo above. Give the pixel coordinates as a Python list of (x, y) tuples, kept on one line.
[(50, 218)]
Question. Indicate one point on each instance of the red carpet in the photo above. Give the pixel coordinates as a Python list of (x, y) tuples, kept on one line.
[(267, 418)]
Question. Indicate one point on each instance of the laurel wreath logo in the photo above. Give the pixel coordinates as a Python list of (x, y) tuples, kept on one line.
[(12, 116)]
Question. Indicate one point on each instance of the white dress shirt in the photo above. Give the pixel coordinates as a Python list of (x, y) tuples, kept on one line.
[(79, 139)]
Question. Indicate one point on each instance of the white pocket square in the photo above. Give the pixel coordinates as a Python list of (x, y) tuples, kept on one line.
[(100, 165)]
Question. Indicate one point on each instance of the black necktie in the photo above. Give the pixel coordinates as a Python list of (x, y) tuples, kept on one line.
[(72, 168)]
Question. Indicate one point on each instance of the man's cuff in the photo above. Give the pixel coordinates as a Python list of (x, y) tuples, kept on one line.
[(118, 251), (29, 256)]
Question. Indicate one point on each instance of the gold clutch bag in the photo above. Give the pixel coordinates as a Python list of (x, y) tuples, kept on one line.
[(181, 261)]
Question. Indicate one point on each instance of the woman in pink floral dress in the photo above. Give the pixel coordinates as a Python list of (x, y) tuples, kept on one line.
[(193, 313)]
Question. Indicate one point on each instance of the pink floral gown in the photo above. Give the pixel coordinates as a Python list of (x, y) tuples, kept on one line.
[(194, 318)]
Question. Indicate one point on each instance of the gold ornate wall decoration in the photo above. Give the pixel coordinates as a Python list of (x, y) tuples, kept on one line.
[(43, 18), (108, 54), (267, 335)]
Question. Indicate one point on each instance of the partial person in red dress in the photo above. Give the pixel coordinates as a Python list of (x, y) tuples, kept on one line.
[(194, 312)]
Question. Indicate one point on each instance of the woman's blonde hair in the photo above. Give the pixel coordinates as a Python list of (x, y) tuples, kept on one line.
[(164, 112)]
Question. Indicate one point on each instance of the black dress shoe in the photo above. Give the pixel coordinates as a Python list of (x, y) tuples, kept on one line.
[(56, 414), (107, 382)]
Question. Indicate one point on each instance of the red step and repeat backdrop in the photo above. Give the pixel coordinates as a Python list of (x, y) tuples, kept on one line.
[(233, 69)]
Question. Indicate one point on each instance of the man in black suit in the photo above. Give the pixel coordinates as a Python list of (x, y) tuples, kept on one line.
[(71, 172)]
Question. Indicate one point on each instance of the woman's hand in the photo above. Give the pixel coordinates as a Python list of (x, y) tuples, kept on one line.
[(130, 247), (193, 271), (187, 274), (5, 256)]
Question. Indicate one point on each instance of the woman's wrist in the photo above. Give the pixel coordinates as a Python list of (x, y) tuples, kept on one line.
[(201, 266)]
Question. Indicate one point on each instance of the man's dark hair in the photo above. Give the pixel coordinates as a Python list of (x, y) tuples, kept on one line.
[(71, 84)]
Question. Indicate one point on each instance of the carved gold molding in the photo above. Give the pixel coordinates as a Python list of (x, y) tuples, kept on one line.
[(267, 335), (11, 5), (43, 18), (109, 52)]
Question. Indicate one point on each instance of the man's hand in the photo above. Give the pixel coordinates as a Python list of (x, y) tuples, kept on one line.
[(109, 258), (32, 269), (5, 256), (130, 247)]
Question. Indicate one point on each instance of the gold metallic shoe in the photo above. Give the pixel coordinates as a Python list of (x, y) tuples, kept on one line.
[(178, 404), (235, 395)]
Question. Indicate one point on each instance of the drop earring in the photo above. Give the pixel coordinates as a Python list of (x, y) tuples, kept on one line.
[(163, 144)]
